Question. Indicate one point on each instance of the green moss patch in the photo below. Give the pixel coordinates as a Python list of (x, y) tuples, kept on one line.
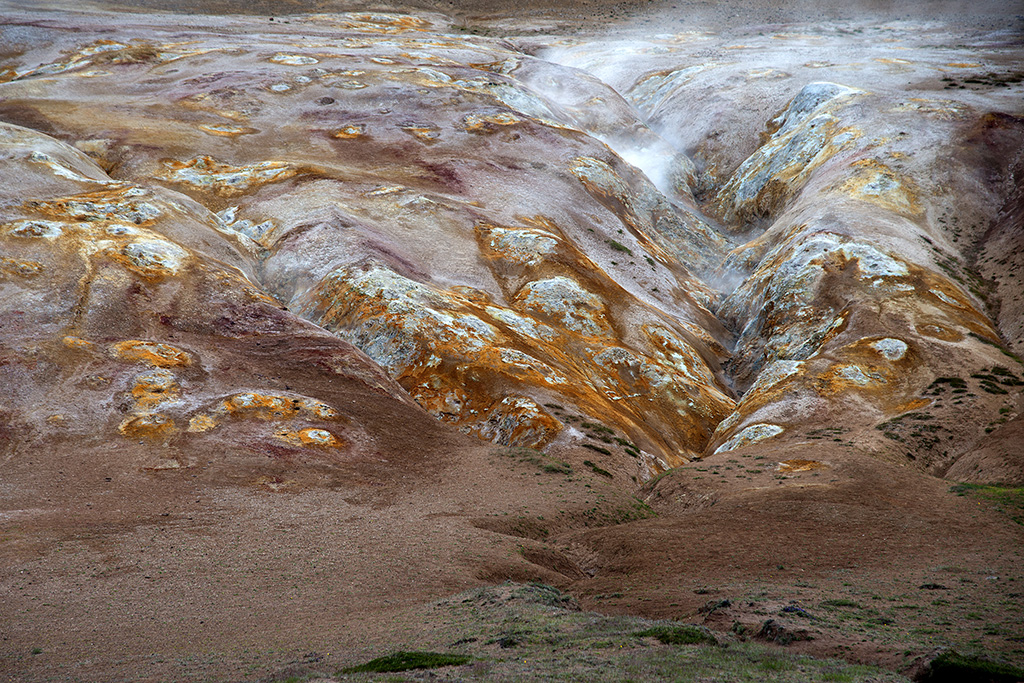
[(407, 661)]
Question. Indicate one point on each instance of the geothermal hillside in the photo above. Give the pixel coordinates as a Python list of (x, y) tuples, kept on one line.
[(309, 320)]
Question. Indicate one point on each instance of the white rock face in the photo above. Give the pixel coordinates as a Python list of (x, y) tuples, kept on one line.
[(892, 349), (750, 435)]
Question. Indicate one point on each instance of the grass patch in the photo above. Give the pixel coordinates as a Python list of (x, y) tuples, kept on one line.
[(684, 634), (649, 486), (538, 459), (1006, 499), (561, 642), (407, 661), (596, 427), (597, 470), (952, 667), (991, 388), (599, 449), (543, 594), (636, 510), (619, 246)]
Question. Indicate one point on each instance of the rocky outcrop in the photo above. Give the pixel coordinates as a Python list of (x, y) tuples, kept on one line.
[(130, 324)]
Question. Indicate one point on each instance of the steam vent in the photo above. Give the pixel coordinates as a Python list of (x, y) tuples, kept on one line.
[(312, 316)]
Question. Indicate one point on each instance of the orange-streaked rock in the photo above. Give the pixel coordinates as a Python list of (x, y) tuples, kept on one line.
[(154, 353), (502, 232)]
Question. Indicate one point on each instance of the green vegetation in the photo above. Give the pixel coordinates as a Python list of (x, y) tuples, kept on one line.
[(597, 470), (407, 661), (597, 427), (636, 510), (520, 632), (649, 486), (910, 428), (618, 246), (597, 448), (1006, 352), (936, 388), (543, 594), (990, 381), (826, 433), (952, 667), (1008, 500), (538, 459), (476, 30), (679, 635)]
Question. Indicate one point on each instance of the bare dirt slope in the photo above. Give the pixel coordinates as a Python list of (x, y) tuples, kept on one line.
[(157, 576)]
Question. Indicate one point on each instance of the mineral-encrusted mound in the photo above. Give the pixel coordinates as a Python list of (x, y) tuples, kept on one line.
[(500, 229)]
